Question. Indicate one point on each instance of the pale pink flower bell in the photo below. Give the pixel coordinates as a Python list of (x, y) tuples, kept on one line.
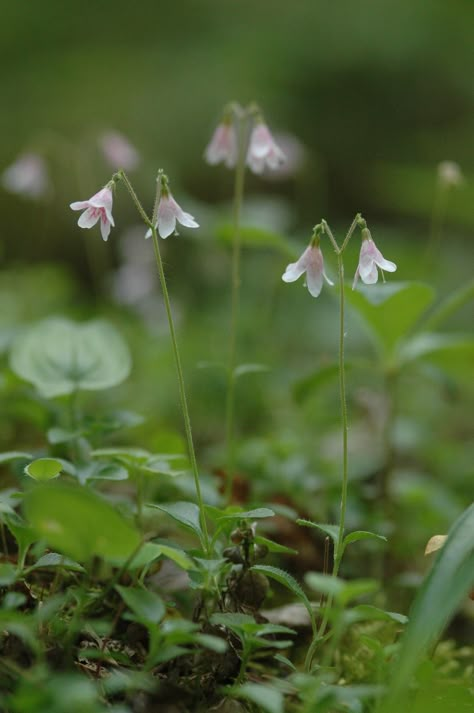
[(370, 259), (222, 146), (99, 207), (27, 176), (118, 151), (168, 213), (311, 262), (263, 151)]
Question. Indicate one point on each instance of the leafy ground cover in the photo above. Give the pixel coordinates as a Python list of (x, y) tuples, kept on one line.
[(250, 534)]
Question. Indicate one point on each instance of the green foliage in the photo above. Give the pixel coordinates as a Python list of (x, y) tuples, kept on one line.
[(79, 523), (61, 357)]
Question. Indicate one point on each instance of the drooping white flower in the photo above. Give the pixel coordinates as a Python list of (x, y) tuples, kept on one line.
[(118, 151), (99, 207), (450, 174), (311, 262), (169, 212), (370, 259), (262, 150), (27, 176), (223, 145)]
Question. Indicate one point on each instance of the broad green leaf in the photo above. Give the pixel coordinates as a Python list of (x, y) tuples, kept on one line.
[(61, 435), (268, 698), (451, 304), (44, 469), (331, 530), (448, 583), (290, 583), (146, 605), (76, 521), (53, 559), (14, 455), (254, 237), (60, 357), (324, 374), (174, 553), (187, 514), (362, 535), (391, 310), (213, 643), (256, 514), (7, 574), (274, 546), (453, 353)]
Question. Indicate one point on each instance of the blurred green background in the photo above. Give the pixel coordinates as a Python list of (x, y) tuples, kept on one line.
[(375, 95)]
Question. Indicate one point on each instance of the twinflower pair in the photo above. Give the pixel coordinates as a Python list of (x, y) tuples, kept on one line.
[(311, 262)]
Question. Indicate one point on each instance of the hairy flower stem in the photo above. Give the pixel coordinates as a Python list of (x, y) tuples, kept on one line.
[(339, 547), (182, 391), (234, 316), (121, 175)]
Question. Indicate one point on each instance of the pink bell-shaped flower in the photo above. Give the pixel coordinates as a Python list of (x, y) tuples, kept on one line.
[(311, 262), (263, 151), (370, 259), (99, 207)]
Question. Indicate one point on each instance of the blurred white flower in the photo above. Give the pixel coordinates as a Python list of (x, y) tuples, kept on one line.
[(27, 176), (99, 207), (118, 151), (450, 174), (222, 146), (370, 259), (263, 151), (311, 262)]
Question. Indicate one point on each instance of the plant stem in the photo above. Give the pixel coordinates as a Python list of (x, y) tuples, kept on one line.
[(234, 318), (123, 177), (182, 391)]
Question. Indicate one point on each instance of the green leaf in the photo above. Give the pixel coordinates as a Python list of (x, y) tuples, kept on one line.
[(369, 612), (254, 237), (267, 697), (76, 521), (147, 606), (7, 574), (391, 310), (451, 304), (213, 643), (53, 560), (187, 514), (274, 546), (340, 589), (362, 535), (60, 357), (14, 455), (321, 376), (174, 553), (453, 353), (331, 530), (256, 514), (290, 583), (44, 469), (445, 587)]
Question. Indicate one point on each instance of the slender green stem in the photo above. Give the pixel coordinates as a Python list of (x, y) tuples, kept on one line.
[(123, 177), (234, 318), (182, 391)]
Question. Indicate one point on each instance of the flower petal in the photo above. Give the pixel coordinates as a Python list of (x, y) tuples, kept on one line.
[(295, 269), (371, 276), (89, 218), (186, 219), (314, 279), (79, 205), (166, 217), (104, 226), (384, 264)]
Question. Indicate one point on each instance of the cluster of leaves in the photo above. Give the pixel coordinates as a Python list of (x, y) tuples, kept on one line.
[(100, 545)]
